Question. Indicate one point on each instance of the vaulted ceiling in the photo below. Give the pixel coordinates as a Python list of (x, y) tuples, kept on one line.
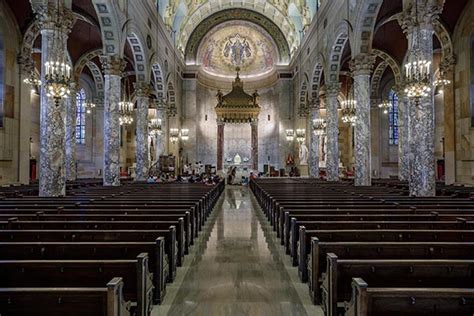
[(183, 16)]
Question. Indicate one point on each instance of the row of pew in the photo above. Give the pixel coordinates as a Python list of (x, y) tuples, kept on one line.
[(375, 250), (106, 251)]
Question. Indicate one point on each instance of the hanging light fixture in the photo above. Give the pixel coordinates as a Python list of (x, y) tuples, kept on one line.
[(319, 126), (126, 106), (441, 83), (155, 127), (385, 105), (184, 134), (90, 106), (417, 69), (174, 135), (348, 106), (300, 135), (57, 75)]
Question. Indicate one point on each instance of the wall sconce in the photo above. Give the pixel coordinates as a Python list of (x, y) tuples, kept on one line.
[(174, 135), (185, 134), (290, 135), (300, 135)]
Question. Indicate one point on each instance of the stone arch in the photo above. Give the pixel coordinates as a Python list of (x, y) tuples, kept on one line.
[(171, 97), (111, 21), (397, 73), (98, 79), (303, 97), (376, 77), (83, 60), (336, 51), (316, 79), (444, 38), (364, 19), (139, 55), (159, 81)]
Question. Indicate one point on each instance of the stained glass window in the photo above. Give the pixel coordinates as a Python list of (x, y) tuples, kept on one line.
[(81, 117), (393, 119)]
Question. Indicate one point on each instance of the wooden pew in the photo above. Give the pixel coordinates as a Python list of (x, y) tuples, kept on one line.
[(138, 281), (386, 301), (380, 250), (97, 301), (336, 281), (157, 263)]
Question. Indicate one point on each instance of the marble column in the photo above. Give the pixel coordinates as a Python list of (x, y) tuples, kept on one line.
[(254, 144), (332, 130), (422, 181), (361, 67), (314, 143), (142, 91), (160, 140), (447, 72), (71, 111), (52, 166), (220, 145), (403, 134), (113, 67)]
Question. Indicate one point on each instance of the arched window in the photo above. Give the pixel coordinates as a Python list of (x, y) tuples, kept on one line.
[(81, 117), (2, 78), (393, 119)]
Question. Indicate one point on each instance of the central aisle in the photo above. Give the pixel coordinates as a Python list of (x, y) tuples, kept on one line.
[(236, 268)]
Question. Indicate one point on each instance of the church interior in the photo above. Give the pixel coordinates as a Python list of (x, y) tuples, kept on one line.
[(236, 157)]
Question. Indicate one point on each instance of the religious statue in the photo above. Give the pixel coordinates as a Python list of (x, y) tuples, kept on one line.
[(303, 154), (220, 97)]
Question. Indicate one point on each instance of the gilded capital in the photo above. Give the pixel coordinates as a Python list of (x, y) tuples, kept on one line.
[(52, 17), (333, 89), (113, 64), (142, 89), (421, 13), (362, 64), (447, 64)]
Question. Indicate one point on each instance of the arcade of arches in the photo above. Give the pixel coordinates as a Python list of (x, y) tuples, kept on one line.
[(344, 92)]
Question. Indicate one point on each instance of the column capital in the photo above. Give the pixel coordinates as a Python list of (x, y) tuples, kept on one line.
[(314, 104), (447, 64), (52, 17), (362, 64), (113, 64), (142, 89), (333, 89), (422, 13), (27, 65)]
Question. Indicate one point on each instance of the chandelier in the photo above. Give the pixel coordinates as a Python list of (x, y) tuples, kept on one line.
[(90, 106), (319, 126), (57, 72), (300, 135), (184, 134), (154, 126), (417, 69), (126, 106), (32, 80), (174, 135), (385, 106), (349, 111), (441, 83)]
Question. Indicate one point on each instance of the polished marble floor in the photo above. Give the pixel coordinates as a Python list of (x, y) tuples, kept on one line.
[(237, 267)]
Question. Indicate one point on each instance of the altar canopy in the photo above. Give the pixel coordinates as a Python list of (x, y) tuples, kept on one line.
[(237, 107)]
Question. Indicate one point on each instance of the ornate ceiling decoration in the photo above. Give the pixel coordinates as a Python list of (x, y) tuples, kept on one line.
[(264, 26), (291, 16), (240, 44)]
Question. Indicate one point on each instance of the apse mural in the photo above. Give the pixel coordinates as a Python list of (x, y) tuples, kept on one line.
[(237, 44)]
